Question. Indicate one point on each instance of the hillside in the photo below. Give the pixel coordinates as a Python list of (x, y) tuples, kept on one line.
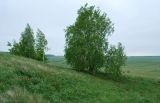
[(24, 80), (136, 66)]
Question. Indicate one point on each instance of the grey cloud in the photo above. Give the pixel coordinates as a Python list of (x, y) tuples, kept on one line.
[(136, 22)]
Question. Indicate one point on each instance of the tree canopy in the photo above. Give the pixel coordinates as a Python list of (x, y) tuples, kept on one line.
[(28, 46), (114, 59), (86, 39), (41, 45), (87, 47), (27, 43)]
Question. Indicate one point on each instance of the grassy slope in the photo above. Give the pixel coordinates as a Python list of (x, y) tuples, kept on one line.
[(24, 80), (137, 66)]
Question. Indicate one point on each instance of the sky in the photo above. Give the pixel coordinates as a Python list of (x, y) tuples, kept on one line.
[(136, 22)]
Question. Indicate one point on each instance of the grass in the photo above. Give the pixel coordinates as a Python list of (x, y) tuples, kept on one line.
[(58, 61), (136, 66), (146, 67), (24, 80)]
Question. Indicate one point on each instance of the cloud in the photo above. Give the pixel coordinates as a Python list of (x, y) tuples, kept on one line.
[(136, 22)]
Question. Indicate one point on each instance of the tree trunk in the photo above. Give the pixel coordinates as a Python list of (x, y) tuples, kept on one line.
[(91, 70), (43, 57)]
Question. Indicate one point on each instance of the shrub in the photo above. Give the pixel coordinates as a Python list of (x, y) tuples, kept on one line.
[(115, 58)]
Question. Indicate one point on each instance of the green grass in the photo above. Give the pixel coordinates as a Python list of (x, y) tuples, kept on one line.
[(25, 80), (58, 61), (146, 67), (136, 66)]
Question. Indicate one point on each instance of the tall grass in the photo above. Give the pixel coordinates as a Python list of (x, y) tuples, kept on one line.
[(24, 80)]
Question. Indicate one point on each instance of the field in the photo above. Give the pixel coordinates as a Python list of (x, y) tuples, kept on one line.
[(143, 66), (24, 80)]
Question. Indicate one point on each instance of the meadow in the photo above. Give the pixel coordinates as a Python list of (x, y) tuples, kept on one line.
[(143, 66), (24, 80)]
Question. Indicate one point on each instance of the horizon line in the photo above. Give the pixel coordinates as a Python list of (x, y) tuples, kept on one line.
[(127, 55)]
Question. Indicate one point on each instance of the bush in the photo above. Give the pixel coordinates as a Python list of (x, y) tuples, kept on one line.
[(115, 58)]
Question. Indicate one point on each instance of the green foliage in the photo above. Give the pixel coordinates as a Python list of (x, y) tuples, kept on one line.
[(27, 43), (27, 46), (115, 58), (86, 39), (15, 48), (87, 46), (41, 46)]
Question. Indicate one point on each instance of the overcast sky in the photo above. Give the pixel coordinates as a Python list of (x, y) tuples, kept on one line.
[(137, 22)]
